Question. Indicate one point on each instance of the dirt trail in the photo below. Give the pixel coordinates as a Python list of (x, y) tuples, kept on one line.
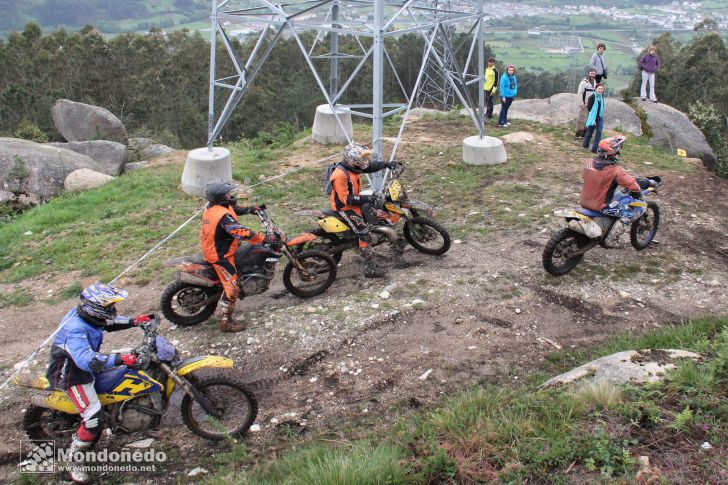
[(485, 312)]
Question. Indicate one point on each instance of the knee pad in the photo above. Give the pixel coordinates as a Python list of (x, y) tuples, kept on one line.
[(92, 426)]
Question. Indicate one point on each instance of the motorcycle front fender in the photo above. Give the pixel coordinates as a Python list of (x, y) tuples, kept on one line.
[(301, 239), (197, 363), (418, 205)]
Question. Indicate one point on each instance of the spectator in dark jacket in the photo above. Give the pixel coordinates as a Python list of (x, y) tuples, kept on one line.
[(650, 64)]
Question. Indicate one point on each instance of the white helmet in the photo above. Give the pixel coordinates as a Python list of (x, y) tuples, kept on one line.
[(357, 156)]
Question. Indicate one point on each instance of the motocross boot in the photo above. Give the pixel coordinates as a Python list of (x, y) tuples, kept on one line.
[(398, 247), (371, 268), (227, 321), (76, 467)]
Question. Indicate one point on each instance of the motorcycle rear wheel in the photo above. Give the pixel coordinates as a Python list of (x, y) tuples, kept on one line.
[(177, 303), (556, 250), (237, 405), (50, 425), (643, 230), (320, 263), (420, 231)]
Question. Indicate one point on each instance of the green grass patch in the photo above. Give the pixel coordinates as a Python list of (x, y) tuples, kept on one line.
[(357, 463), (18, 298), (98, 231)]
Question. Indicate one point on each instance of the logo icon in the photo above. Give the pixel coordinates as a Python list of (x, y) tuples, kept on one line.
[(40, 458)]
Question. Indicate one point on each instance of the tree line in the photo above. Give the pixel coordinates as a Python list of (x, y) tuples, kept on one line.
[(157, 84)]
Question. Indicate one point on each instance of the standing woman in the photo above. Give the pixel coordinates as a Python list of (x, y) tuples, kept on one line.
[(509, 90), (649, 64), (599, 63), (595, 120)]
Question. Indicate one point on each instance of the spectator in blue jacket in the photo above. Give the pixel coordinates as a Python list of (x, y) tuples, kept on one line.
[(509, 90), (595, 120), (75, 361)]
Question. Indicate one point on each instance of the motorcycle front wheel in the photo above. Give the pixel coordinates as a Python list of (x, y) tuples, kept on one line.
[(234, 402), (320, 274), (50, 425), (643, 230), (181, 303), (558, 258), (427, 236)]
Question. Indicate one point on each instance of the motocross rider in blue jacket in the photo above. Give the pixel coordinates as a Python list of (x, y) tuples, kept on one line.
[(75, 361)]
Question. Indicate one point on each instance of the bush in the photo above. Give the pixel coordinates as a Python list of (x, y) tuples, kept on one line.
[(710, 122), (30, 131)]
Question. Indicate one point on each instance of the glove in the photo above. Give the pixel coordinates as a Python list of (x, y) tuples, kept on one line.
[(270, 239), (141, 319), (125, 359), (392, 165), (255, 209), (653, 183)]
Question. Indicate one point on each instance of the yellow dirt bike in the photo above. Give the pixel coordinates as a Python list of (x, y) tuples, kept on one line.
[(420, 229), (134, 398)]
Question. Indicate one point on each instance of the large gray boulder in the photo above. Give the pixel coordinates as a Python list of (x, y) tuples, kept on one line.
[(85, 122), (110, 155), (672, 129), (36, 169), (634, 366), (562, 108), (154, 151), (85, 179), (618, 115)]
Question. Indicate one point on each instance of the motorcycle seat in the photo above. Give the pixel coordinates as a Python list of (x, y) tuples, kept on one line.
[(332, 213), (589, 212), (198, 259)]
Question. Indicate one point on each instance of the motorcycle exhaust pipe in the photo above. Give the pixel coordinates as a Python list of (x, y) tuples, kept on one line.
[(388, 232)]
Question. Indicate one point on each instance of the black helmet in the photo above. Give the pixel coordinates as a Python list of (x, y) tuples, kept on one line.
[(217, 192)]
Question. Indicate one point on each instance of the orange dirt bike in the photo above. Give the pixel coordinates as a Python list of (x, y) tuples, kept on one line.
[(420, 229), (136, 397), (193, 297)]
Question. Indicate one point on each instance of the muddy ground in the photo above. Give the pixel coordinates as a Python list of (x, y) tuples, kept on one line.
[(484, 312)]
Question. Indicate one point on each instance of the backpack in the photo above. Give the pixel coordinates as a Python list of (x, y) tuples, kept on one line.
[(328, 171)]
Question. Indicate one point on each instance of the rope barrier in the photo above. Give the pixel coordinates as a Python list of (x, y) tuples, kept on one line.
[(27, 361)]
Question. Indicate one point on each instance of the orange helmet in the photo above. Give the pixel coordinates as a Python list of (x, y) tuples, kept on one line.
[(609, 148)]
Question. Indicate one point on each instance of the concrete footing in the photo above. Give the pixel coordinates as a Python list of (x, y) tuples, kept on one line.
[(326, 130), (483, 151), (204, 165)]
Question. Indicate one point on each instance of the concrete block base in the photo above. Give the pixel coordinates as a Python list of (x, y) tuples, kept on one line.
[(483, 151), (326, 130), (204, 165)]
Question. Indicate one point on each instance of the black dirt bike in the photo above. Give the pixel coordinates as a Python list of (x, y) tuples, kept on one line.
[(193, 297)]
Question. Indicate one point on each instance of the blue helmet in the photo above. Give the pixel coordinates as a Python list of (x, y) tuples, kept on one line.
[(99, 300)]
